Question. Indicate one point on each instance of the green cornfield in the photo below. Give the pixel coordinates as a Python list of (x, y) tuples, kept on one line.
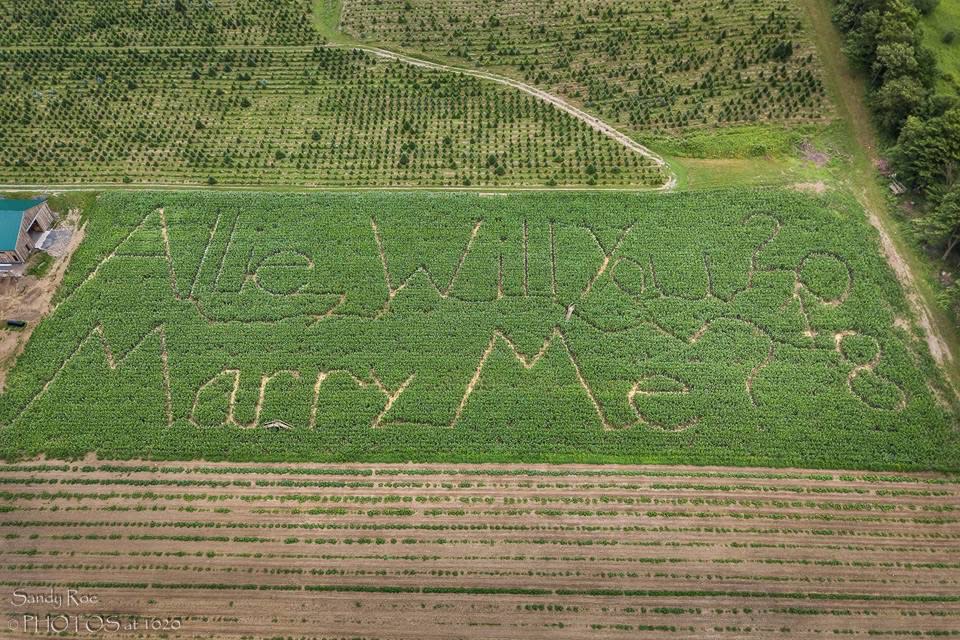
[(747, 327)]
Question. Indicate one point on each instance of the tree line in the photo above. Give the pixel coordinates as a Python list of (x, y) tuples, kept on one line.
[(884, 38)]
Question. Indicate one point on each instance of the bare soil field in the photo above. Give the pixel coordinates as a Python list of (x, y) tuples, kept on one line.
[(491, 551)]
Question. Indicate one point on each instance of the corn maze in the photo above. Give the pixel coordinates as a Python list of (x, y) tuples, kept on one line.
[(193, 549), (737, 326), (311, 117), (656, 67)]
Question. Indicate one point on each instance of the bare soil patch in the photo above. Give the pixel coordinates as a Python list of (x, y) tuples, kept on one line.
[(817, 188), (811, 154)]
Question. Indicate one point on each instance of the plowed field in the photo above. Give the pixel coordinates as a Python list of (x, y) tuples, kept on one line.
[(419, 551)]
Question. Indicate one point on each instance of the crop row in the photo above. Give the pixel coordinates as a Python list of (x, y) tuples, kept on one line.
[(501, 474), (352, 484), (37, 561), (411, 573), (511, 506)]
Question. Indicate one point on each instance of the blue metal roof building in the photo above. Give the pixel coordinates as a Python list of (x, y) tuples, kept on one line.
[(11, 218), (21, 223)]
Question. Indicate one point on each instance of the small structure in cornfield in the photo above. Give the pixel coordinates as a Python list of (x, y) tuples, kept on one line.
[(22, 224)]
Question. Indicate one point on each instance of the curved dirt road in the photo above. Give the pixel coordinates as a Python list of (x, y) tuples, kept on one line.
[(595, 123)]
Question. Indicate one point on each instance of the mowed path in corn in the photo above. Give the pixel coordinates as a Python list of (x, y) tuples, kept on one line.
[(489, 551)]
